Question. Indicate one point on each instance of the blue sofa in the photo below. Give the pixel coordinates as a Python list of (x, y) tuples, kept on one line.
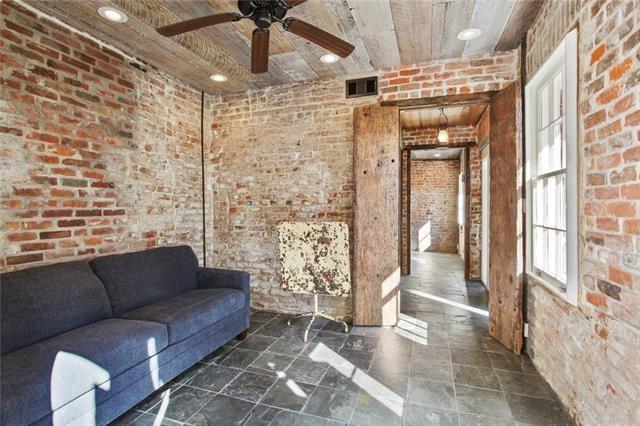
[(82, 342)]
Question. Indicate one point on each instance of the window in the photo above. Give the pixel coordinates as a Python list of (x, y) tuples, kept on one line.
[(551, 161)]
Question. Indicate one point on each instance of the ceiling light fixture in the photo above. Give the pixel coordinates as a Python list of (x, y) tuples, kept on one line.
[(113, 15), (219, 78), (469, 34), (329, 58), (437, 155), (443, 127)]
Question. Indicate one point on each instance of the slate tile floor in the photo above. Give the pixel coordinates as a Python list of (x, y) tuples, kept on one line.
[(438, 366)]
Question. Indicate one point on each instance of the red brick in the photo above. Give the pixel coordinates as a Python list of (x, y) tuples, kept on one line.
[(54, 234), (620, 69), (597, 53), (24, 258), (22, 236)]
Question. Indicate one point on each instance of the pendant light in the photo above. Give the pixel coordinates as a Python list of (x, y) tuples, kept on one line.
[(443, 127)]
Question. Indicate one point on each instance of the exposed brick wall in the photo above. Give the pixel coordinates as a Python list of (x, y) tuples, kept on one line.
[(279, 154), (434, 204), (589, 354), (97, 156), (450, 77), (475, 211)]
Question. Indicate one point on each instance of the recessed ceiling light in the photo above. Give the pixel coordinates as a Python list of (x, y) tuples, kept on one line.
[(218, 77), (113, 15), (329, 58), (469, 34), (437, 155)]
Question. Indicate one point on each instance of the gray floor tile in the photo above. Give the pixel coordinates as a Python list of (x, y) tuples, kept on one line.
[(467, 419), (263, 415), (390, 366), (482, 401), (432, 354), (423, 369), (306, 370), (342, 378), (359, 359), (271, 363), (329, 338), (288, 394), (286, 345), (219, 355), (512, 362), (422, 415), (331, 403), (240, 358), (433, 394), (257, 342), (183, 403), (524, 384), (361, 343), (249, 386), (383, 386), (470, 357), (538, 411), (222, 410), (479, 377), (371, 411), (214, 377)]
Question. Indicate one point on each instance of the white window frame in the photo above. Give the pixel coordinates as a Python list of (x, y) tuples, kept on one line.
[(565, 54)]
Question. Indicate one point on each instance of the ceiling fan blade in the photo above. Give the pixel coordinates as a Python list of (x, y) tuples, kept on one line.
[(293, 3), (259, 51), (319, 37), (197, 23)]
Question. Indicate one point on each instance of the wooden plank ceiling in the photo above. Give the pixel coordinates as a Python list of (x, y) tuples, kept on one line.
[(464, 115), (385, 33)]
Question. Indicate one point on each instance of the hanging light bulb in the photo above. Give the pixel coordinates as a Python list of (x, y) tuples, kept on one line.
[(443, 127)]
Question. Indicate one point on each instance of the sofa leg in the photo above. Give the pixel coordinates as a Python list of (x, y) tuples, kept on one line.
[(242, 335)]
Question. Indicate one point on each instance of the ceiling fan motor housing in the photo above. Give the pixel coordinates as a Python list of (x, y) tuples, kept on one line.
[(263, 12)]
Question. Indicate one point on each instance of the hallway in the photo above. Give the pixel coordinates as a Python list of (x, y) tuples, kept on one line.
[(491, 385)]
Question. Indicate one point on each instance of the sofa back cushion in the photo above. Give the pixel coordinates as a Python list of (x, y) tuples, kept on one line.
[(137, 279), (39, 303)]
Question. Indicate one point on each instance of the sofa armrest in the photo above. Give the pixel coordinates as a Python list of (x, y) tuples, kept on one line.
[(225, 278)]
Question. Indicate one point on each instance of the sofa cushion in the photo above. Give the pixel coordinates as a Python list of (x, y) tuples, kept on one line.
[(190, 312), (49, 374), (137, 279), (39, 303)]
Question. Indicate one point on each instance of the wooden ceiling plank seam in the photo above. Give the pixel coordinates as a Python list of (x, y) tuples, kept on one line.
[(490, 16), (138, 40), (153, 13), (375, 22), (457, 18), (359, 61), (412, 20), (521, 18)]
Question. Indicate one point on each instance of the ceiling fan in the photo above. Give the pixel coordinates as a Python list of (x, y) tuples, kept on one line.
[(263, 13)]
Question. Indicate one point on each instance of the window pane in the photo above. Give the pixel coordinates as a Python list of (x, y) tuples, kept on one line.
[(543, 152), (557, 143), (538, 203), (543, 106), (538, 247), (561, 259), (558, 95), (561, 202), (552, 247), (550, 201)]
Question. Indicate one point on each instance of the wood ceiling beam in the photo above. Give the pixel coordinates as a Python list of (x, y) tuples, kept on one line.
[(442, 101)]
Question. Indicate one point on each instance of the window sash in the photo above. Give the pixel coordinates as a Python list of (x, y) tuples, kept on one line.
[(551, 171)]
